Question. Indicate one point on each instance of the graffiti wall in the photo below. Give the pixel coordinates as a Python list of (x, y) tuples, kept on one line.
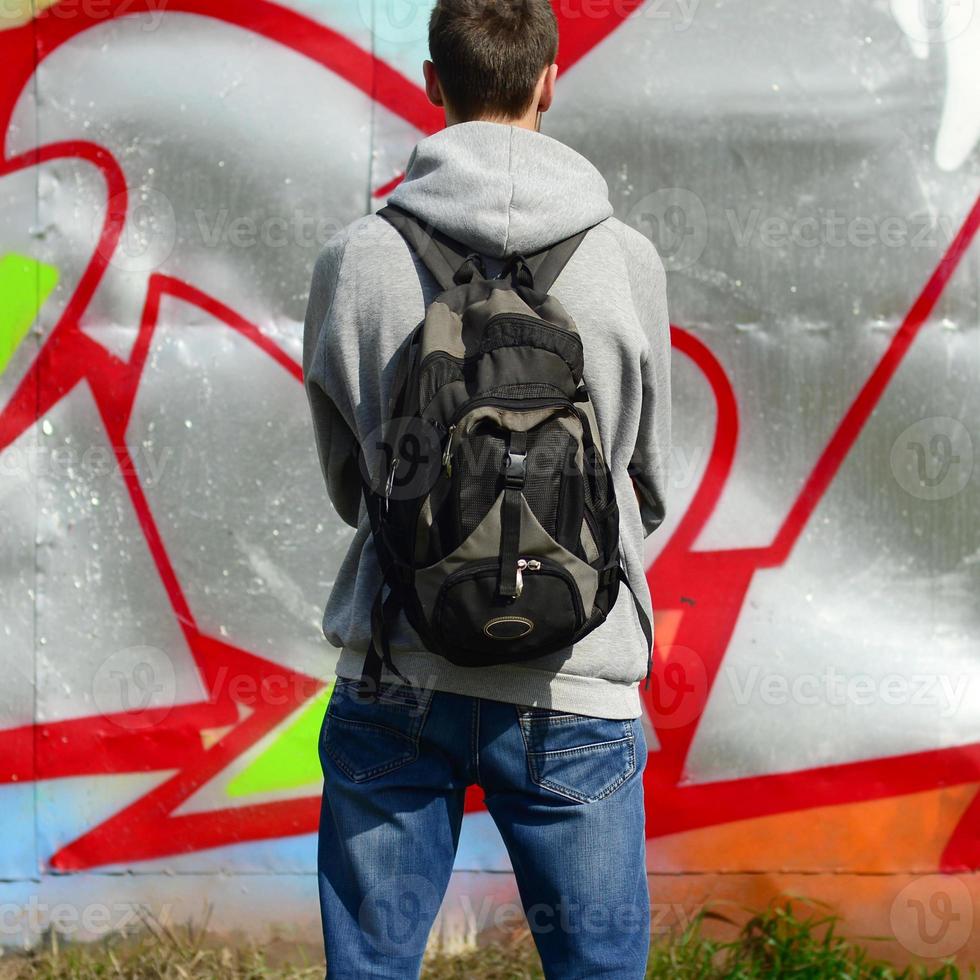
[(810, 174)]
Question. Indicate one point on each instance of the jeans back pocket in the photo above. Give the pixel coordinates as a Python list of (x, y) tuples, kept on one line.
[(581, 758), (365, 739)]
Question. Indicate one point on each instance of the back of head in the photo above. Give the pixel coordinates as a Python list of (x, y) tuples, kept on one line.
[(489, 54)]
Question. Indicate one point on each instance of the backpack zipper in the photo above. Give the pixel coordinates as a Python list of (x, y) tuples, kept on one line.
[(478, 569), (529, 403), (509, 316), (447, 456), (525, 564)]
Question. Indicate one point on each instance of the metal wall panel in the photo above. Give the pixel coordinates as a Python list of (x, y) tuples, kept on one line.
[(810, 177), (20, 463)]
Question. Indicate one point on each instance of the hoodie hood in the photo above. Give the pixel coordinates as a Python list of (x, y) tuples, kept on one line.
[(500, 189)]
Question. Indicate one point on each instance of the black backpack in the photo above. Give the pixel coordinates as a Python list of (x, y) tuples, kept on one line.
[(492, 508)]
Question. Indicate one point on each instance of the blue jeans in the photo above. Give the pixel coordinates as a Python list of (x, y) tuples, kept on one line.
[(565, 791)]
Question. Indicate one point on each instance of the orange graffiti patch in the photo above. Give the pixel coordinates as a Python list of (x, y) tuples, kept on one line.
[(847, 838)]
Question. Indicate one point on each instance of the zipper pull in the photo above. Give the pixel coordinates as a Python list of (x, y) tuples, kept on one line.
[(447, 460), (525, 564), (390, 483)]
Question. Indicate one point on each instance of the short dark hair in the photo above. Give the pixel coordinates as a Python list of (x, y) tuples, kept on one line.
[(489, 54)]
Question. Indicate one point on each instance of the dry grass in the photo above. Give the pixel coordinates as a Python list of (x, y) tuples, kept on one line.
[(780, 942)]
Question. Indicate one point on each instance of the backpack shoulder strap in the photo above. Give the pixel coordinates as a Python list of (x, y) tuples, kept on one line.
[(440, 254), (548, 264), (443, 256)]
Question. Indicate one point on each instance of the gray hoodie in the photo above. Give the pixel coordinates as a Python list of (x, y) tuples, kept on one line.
[(498, 189)]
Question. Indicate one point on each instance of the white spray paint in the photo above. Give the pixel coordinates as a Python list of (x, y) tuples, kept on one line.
[(952, 26)]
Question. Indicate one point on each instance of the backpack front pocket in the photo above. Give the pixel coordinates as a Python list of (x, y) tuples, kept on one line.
[(475, 463), (478, 627)]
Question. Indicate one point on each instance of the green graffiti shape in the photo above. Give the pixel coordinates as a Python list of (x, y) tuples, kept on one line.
[(292, 760), (25, 285)]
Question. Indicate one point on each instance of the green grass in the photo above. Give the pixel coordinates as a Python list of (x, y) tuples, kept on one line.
[(780, 942)]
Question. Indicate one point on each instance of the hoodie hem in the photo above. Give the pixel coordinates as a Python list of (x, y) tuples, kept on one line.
[(511, 684)]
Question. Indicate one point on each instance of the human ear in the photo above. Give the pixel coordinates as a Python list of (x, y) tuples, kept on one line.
[(547, 96), (432, 87)]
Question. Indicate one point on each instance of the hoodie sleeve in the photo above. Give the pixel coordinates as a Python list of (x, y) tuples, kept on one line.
[(649, 466), (329, 402)]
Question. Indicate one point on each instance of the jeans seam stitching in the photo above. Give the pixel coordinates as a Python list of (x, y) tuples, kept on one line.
[(363, 776), (582, 748), (527, 749), (408, 736), (553, 719)]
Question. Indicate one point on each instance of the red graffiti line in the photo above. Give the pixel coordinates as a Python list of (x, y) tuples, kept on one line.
[(715, 584), (715, 581), (68, 356)]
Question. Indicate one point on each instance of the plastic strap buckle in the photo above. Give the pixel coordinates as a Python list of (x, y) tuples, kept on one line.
[(515, 469)]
